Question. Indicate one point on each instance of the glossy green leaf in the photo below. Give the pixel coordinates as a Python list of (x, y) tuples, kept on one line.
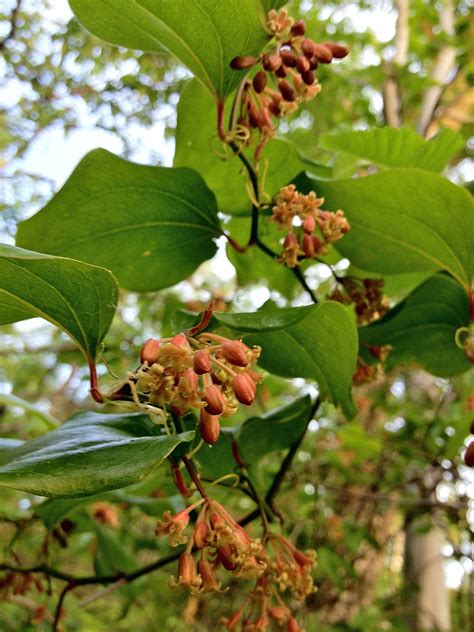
[(197, 147), (79, 298), (318, 342), (273, 4), (421, 329), (390, 147), (88, 454), (404, 220), (205, 35), (7, 444), (151, 226)]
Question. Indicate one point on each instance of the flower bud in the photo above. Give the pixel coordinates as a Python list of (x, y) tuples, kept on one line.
[(286, 90), (308, 77), (244, 389), (225, 555), (280, 614), (259, 81), (281, 72), (186, 569), (298, 28), (243, 62), (339, 51), (179, 340), (302, 64), (309, 224), (323, 53), (200, 535), (301, 559), (317, 244), (202, 362), (308, 246), (469, 455), (214, 400), (150, 351), (307, 48), (209, 581), (288, 58), (290, 241), (271, 62), (234, 351), (191, 378), (209, 427), (292, 625), (254, 117)]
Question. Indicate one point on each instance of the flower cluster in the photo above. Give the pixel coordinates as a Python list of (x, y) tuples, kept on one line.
[(311, 230), (366, 373), (366, 295), (286, 76), (208, 372), (221, 543)]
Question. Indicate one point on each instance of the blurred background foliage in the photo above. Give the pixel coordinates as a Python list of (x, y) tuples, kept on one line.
[(359, 492)]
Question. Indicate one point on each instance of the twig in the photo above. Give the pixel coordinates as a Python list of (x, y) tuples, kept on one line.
[(59, 607), (391, 89)]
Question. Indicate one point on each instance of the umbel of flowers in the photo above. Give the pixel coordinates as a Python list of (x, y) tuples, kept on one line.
[(207, 373), (310, 230), (216, 542)]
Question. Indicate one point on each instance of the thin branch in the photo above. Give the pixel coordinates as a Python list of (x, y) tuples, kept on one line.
[(442, 66), (392, 101), (59, 607)]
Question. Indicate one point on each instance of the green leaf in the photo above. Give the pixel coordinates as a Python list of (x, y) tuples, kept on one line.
[(9, 399), (422, 328), (77, 297), (205, 35), (7, 444), (389, 147), (317, 342), (88, 454), (151, 226), (197, 147), (405, 220), (273, 4)]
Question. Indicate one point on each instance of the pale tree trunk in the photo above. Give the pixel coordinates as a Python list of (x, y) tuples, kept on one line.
[(425, 580), (392, 103)]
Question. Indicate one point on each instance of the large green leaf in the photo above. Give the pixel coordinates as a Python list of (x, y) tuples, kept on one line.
[(422, 328), (198, 147), (391, 147), (205, 35), (77, 297), (151, 226), (88, 454), (318, 342), (405, 220)]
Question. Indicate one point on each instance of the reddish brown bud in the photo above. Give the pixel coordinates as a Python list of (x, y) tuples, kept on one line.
[(323, 53), (298, 28), (234, 351), (226, 558), (313, 63), (179, 481), (254, 117), (244, 389), (274, 107), (288, 58), (300, 558), (302, 64), (209, 581), (308, 77), (307, 48), (292, 625), (200, 535), (339, 51), (178, 411), (186, 569), (271, 61), (241, 63), (469, 455), (216, 521), (279, 613), (214, 400), (179, 340), (286, 90), (281, 72), (236, 454), (290, 240), (259, 82), (191, 378), (308, 246), (150, 351), (317, 244), (202, 362), (209, 427), (309, 224)]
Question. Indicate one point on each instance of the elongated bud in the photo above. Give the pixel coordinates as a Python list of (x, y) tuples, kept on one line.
[(339, 51), (281, 72), (202, 362), (234, 351), (469, 455), (244, 389), (254, 117), (236, 454), (308, 246), (308, 77), (309, 224), (200, 535), (286, 90), (209, 581), (290, 240), (279, 613), (323, 53), (271, 62), (298, 28), (179, 481), (243, 62), (226, 557), (313, 63), (274, 106), (317, 244), (216, 520), (186, 569), (307, 48), (301, 558), (150, 352), (259, 81), (288, 58), (214, 400), (302, 64), (191, 378), (209, 427), (292, 625)]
